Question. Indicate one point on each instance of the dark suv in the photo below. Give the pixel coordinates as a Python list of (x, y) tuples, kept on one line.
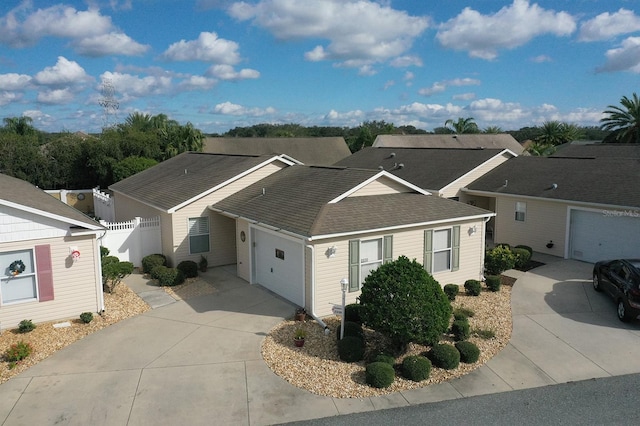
[(621, 280)]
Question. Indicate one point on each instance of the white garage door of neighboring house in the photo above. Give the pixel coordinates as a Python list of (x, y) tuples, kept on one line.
[(601, 235), (279, 265)]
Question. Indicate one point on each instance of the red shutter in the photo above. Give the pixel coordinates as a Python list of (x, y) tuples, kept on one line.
[(44, 272)]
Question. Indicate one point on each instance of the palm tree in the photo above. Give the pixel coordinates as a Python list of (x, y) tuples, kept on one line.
[(462, 125), (493, 130), (539, 149), (557, 133), (623, 122), (19, 125)]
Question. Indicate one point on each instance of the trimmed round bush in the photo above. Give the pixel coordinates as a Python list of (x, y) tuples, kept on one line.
[(451, 290), (380, 375), (351, 349), (107, 260), (86, 317), (472, 287), (351, 329), (527, 248), (469, 352), (151, 261), (522, 257), (189, 268), (498, 260), (416, 368), (493, 282), (444, 355), (26, 326), (167, 277), (352, 313), (389, 359), (461, 329)]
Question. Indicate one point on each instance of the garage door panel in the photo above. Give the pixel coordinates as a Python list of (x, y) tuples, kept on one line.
[(603, 235)]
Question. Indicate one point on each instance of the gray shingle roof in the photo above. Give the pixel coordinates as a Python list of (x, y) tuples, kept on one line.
[(18, 191), (296, 199), (184, 177), (428, 168), (600, 150), (481, 140), (610, 181), (311, 151)]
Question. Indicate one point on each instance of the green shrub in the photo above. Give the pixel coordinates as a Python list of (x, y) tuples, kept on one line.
[(103, 252), (493, 282), (462, 313), (107, 260), (351, 349), (416, 368), (403, 301), (444, 355), (86, 317), (380, 375), (522, 257), (472, 287), (461, 329), (382, 357), (18, 351), (151, 261), (484, 333), (113, 271), (189, 268), (503, 245), (351, 329), (451, 290), (527, 248), (167, 277), (26, 326), (469, 352), (352, 313), (498, 260)]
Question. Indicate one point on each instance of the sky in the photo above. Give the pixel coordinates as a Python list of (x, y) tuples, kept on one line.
[(221, 64)]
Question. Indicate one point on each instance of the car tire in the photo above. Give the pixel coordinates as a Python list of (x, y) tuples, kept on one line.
[(624, 311), (596, 282)]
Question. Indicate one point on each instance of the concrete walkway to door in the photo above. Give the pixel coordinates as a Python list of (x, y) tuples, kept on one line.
[(198, 361)]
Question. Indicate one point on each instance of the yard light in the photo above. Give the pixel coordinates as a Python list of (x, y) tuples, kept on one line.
[(344, 283)]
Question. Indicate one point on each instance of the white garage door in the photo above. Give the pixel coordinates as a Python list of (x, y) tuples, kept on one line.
[(279, 265), (603, 235)]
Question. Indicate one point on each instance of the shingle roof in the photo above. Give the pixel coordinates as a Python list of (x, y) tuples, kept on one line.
[(22, 193), (482, 140), (599, 150), (428, 168), (609, 181), (184, 177), (296, 199), (311, 151)]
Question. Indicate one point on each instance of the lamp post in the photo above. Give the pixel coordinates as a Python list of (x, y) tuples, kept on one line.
[(344, 283)]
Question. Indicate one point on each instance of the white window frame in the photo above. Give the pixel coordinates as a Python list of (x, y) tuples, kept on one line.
[(199, 233), (367, 261), (28, 276), (448, 249), (521, 211)]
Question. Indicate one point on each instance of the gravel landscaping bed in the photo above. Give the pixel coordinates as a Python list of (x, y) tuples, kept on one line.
[(317, 368)]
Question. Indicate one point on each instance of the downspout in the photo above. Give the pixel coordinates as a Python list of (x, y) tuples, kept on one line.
[(98, 262), (313, 290), (483, 249)]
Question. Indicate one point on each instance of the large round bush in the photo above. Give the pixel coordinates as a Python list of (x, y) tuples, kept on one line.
[(380, 374), (351, 349), (402, 300), (444, 355), (416, 368), (469, 352), (498, 260)]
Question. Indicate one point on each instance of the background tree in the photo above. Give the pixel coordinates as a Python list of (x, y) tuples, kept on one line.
[(462, 125), (540, 149), (130, 166), (623, 122), (557, 133), (494, 130)]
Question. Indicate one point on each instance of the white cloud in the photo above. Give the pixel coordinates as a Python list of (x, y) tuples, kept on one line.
[(356, 30), (227, 72), (541, 58), (608, 25), (14, 81), (131, 86), (406, 61), (208, 47), (441, 86), (623, 58), (512, 26), (196, 82), (464, 96), (64, 72), (109, 44), (56, 96), (228, 108), (9, 97), (388, 84)]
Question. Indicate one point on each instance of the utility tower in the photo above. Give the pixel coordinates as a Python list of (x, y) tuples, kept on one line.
[(109, 104)]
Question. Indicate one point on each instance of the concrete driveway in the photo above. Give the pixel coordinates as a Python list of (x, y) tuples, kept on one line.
[(199, 362)]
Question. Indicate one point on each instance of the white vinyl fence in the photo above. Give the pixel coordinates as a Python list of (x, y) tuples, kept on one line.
[(133, 240), (103, 206)]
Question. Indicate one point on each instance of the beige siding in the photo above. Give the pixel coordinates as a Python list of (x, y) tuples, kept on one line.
[(453, 189), (243, 250), (381, 186), (410, 243), (544, 221), (126, 208), (75, 287)]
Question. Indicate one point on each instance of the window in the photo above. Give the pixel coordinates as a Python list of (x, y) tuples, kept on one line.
[(366, 256), (198, 235), (21, 287), (442, 249), (521, 211), (370, 256)]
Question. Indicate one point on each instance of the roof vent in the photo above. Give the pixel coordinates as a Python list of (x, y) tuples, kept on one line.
[(264, 191), (506, 182), (554, 186), (185, 171), (393, 154), (401, 165), (380, 167)]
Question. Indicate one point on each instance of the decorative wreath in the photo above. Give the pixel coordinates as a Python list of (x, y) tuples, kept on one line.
[(17, 267)]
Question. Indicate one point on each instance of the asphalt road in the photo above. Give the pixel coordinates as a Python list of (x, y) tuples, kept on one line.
[(603, 401)]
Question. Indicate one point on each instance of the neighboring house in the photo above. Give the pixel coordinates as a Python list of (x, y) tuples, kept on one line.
[(578, 208), (300, 231), (180, 189), (311, 151), (441, 171), (475, 140), (599, 150), (42, 233)]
